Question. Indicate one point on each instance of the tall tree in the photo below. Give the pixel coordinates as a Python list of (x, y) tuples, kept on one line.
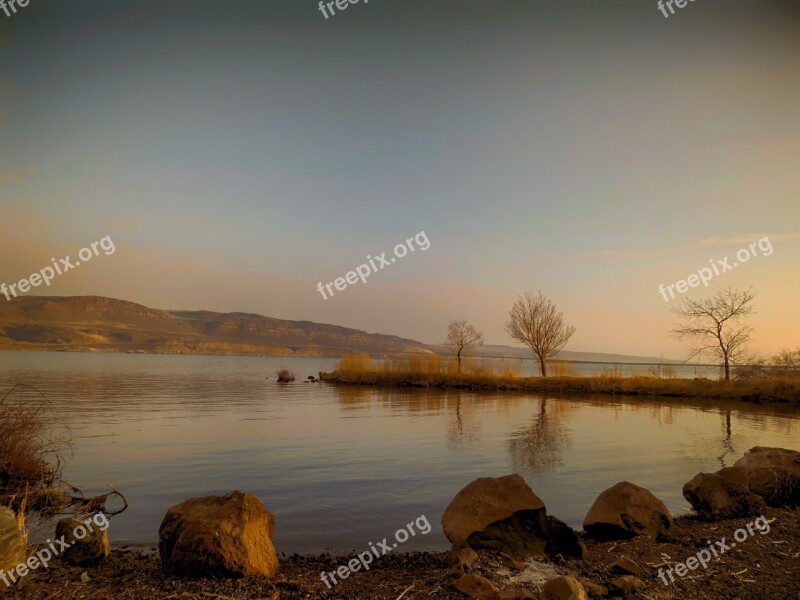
[(462, 336), (535, 321), (716, 326)]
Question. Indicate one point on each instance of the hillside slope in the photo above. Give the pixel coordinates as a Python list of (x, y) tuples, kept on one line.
[(93, 323)]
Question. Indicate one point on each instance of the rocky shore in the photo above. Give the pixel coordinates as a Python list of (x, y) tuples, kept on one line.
[(743, 541), (768, 568)]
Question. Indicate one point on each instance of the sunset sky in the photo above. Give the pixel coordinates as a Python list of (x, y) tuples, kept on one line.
[(239, 153)]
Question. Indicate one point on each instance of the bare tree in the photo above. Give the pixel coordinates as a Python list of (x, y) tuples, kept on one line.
[(536, 322), (462, 336), (716, 325)]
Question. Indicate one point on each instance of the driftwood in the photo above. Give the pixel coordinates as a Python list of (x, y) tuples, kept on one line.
[(82, 505)]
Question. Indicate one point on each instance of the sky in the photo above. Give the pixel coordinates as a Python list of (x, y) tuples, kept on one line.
[(240, 153)]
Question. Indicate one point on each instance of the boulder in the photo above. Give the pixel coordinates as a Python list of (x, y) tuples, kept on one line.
[(87, 546), (500, 514), (624, 511), (13, 549), (563, 539), (564, 588), (716, 497), (772, 473), (218, 536), (476, 586)]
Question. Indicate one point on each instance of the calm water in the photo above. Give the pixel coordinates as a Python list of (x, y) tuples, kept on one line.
[(340, 467)]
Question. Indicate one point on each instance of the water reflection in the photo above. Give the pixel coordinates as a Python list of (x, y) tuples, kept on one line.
[(538, 447)]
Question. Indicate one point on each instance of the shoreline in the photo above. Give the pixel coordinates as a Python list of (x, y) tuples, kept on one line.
[(762, 567), (756, 391)]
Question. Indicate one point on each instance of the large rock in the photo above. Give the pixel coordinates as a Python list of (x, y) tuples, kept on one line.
[(12, 542), (87, 547), (500, 514), (624, 511), (714, 496), (772, 473), (218, 536)]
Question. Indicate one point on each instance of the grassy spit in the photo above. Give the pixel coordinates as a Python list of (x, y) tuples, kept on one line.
[(434, 371)]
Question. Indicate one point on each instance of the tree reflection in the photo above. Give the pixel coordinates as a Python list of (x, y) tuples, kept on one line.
[(463, 425), (538, 448), (727, 442)]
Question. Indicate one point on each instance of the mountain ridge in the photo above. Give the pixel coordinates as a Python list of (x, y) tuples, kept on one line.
[(101, 324)]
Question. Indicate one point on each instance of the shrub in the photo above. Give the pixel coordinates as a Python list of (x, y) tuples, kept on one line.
[(285, 376), (30, 443)]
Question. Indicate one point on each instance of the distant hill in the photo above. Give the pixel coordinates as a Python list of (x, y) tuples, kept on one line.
[(97, 324)]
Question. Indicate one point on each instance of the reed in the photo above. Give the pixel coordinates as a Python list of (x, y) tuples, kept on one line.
[(441, 372), (31, 442), (423, 367)]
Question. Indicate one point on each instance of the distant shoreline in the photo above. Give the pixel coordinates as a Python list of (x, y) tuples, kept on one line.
[(344, 352)]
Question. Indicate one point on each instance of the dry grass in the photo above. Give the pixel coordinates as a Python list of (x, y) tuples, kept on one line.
[(439, 372), (31, 444), (561, 369), (424, 367)]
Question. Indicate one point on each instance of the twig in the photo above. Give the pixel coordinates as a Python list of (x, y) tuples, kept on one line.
[(404, 592), (663, 564)]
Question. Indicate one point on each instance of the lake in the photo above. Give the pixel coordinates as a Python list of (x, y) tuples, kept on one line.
[(341, 467)]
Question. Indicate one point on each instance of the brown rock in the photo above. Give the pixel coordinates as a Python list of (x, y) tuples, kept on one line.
[(513, 563), (86, 547), (627, 585), (626, 566), (595, 590), (476, 586), (563, 539), (716, 497), (773, 474), (13, 550), (218, 536), (564, 588), (734, 475), (500, 514), (624, 511), (466, 557)]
